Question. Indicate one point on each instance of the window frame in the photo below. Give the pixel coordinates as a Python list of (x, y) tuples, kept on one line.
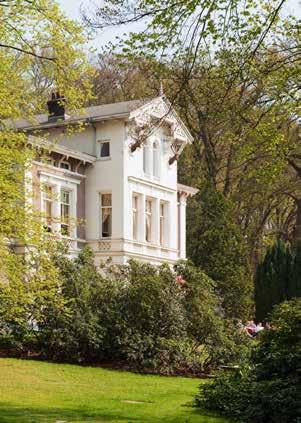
[(146, 159), (101, 208), (67, 223), (47, 200), (99, 148), (148, 219), (135, 216), (162, 222), (156, 159)]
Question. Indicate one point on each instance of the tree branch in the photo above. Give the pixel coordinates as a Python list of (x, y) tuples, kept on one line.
[(31, 53)]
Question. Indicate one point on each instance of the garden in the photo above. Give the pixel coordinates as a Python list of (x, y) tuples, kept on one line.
[(168, 343)]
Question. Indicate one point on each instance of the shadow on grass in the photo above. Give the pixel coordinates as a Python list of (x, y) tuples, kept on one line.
[(9, 413)]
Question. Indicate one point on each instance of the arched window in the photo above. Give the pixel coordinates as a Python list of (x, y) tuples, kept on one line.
[(156, 159), (146, 159)]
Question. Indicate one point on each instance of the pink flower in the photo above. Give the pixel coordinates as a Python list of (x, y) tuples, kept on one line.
[(180, 281)]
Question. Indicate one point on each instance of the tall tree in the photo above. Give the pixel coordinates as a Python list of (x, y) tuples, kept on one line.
[(182, 29), (273, 279), (294, 288), (218, 248), (32, 32)]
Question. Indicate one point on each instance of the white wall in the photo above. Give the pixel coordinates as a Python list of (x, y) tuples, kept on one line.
[(106, 175), (163, 188), (122, 175)]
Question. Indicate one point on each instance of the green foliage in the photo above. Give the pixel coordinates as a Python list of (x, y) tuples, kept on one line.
[(149, 318), (41, 50), (182, 29), (215, 245), (29, 287), (267, 389), (277, 278)]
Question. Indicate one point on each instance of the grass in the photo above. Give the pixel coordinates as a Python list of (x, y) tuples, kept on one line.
[(39, 392)]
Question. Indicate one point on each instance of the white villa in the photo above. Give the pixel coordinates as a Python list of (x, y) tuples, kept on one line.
[(122, 193)]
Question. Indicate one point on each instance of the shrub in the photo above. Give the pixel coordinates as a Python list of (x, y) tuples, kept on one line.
[(150, 318), (268, 389)]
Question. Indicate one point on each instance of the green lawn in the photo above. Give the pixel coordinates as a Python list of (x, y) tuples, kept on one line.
[(34, 391)]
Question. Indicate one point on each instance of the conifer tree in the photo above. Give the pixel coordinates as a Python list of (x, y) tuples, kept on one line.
[(294, 288), (272, 279), (216, 245)]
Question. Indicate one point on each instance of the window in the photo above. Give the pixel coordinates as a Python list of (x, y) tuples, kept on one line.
[(148, 220), (145, 150), (47, 207), (65, 212), (146, 159), (156, 159), (65, 165), (135, 217), (106, 215), (162, 223), (104, 149)]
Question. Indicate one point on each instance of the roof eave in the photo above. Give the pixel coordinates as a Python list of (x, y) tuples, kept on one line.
[(62, 123), (86, 158)]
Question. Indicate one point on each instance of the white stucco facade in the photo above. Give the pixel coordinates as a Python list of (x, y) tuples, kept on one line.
[(143, 215)]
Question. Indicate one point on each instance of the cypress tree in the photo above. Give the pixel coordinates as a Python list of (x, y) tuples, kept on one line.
[(272, 279), (294, 288), (260, 294), (216, 245)]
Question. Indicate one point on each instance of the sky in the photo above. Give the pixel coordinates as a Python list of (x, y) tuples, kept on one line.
[(72, 9)]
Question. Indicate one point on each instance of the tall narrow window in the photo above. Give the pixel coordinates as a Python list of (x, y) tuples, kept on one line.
[(47, 207), (162, 223), (147, 162), (156, 159), (106, 215), (135, 217), (65, 211), (145, 158), (148, 220)]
